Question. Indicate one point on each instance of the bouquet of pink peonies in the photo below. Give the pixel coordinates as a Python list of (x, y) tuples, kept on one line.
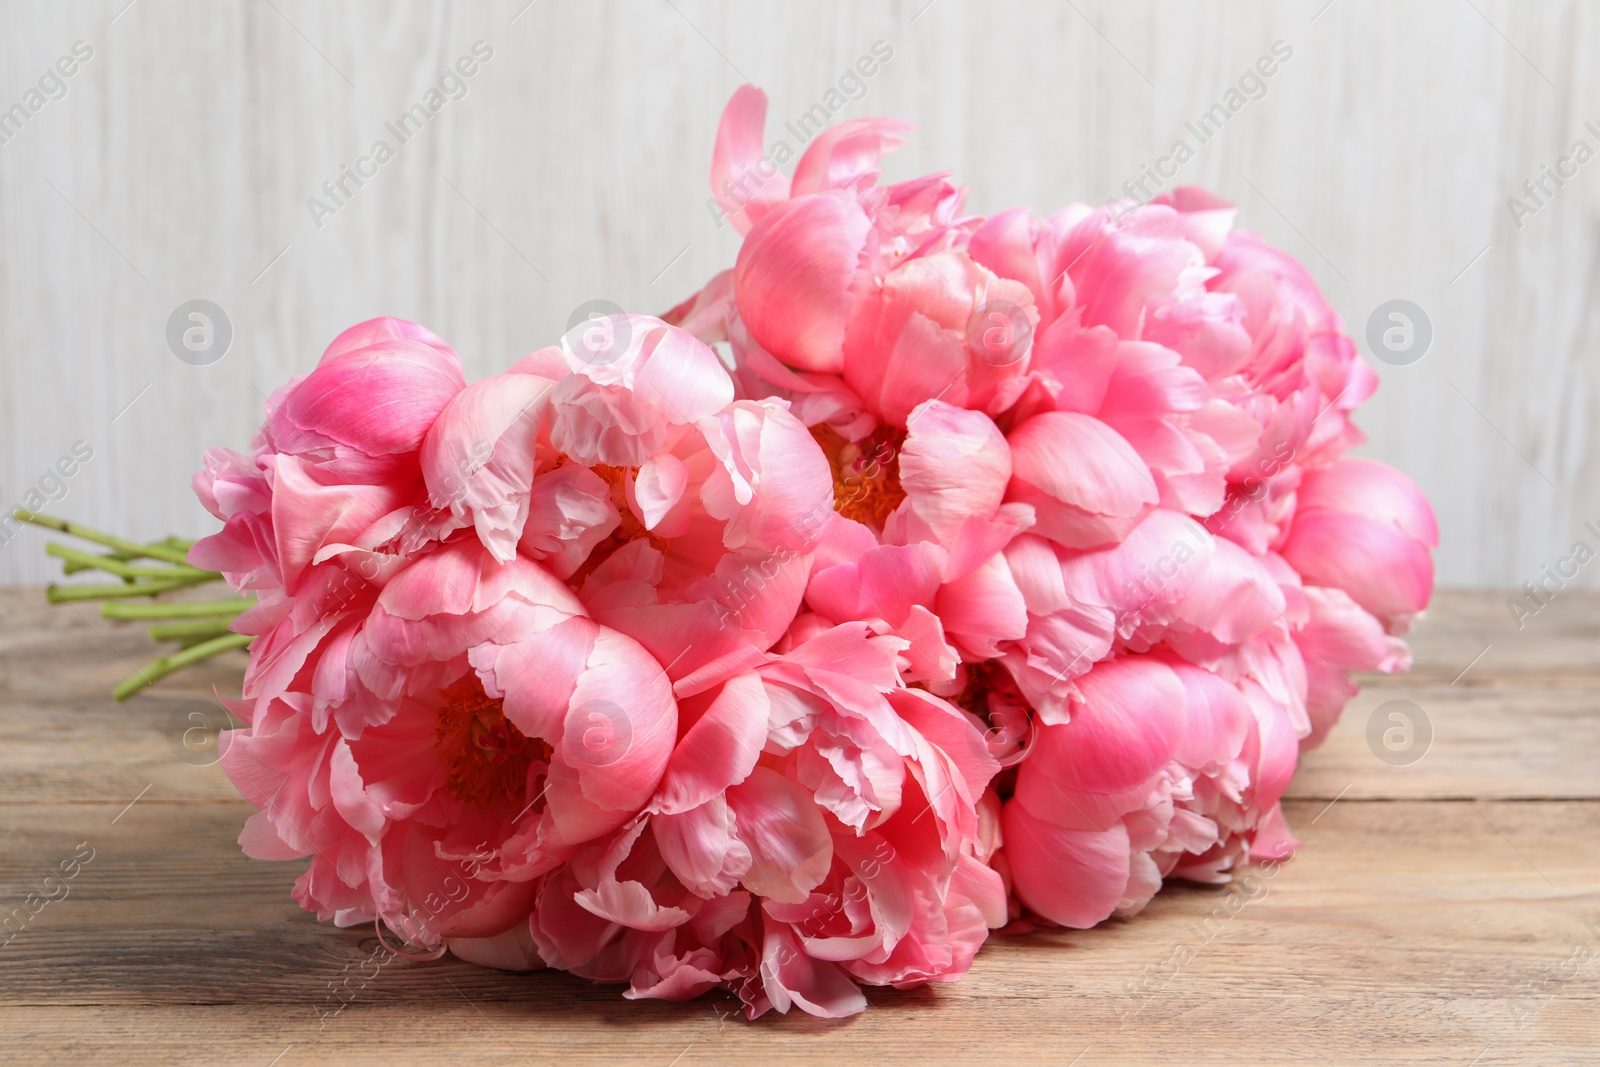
[(925, 574)]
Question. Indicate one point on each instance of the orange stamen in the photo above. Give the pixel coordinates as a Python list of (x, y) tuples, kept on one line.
[(486, 756), (866, 473), (630, 528)]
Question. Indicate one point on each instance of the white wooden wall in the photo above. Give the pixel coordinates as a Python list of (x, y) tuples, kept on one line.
[(179, 163)]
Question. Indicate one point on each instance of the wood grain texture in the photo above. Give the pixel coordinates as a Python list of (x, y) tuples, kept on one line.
[(180, 162), (1438, 912)]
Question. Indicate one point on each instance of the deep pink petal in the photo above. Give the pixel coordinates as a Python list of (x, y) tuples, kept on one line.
[(1073, 877), (743, 180), (1379, 492), (1383, 570), (794, 277)]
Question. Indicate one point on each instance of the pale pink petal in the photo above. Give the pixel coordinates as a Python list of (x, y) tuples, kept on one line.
[(535, 676), (478, 457), (1005, 244), (702, 848), (954, 465), (790, 848), (847, 155), (570, 511), (308, 515), (658, 487), (792, 977), (719, 750), (621, 724), (743, 180)]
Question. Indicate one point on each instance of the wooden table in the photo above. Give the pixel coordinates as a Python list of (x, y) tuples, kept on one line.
[(1441, 912)]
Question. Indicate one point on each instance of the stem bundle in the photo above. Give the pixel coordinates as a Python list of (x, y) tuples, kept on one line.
[(203, 631)]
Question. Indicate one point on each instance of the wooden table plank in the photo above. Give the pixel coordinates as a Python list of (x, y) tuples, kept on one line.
[(1411, 921), (1473, 636), (88, 748), (1415, 926), (1556, 747)]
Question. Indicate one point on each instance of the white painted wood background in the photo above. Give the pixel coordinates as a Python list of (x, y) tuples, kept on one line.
[(179, 163)]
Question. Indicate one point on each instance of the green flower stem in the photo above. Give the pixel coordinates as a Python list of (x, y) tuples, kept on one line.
[(192, 609), (78, 561), (164, 666), (152, 551), (127, 557), (60, 594), (202, 627), (199, 629)]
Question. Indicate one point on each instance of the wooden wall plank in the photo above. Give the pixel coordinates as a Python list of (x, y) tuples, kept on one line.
[(180, 163)]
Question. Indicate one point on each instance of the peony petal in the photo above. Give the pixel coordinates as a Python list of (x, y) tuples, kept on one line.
[(1385, 571), (1072, 877), (1379, 492), (719, 750), (954, 465), (658, 487), (790, 848), (1127, 727), (1086, 482), (702, 849), (794, 276), (791, 976), (744, 182), (479, 456)]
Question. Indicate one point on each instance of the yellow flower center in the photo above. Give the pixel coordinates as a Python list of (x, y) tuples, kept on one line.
[(486, 756), (866, 473), (629, 528)]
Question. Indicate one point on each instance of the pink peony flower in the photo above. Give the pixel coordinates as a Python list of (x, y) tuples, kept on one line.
[(681, 516), (1364, 528), (336, 455), (817, 826), (514, 729), (1163, 769), (1000, 573), (856, 300), (360, 415), (331, 500), (1360, 536)]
